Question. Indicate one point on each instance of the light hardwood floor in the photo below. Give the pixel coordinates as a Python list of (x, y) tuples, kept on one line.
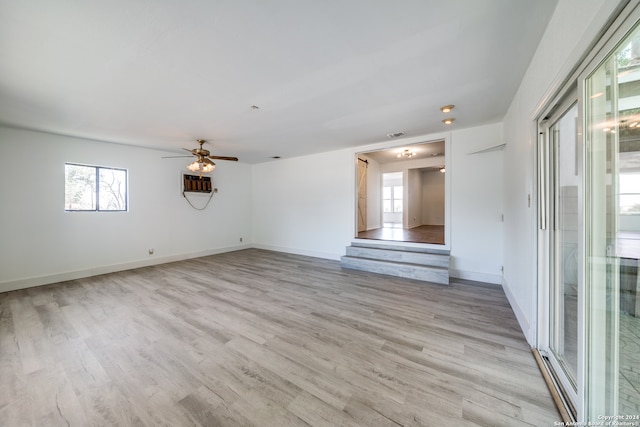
[(266, 339), (422, 234)]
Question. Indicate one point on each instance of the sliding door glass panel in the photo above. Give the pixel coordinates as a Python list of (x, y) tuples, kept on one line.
[(564, 249), (612, 235)]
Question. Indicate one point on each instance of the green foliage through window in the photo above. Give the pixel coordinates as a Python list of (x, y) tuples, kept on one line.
[(94, 188)]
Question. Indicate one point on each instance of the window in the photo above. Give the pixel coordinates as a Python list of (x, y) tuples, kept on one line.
[(629, 193), (94, 188), (392, 198)]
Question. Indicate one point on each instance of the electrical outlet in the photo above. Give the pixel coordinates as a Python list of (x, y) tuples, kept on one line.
[(241, 239), (151, 251)]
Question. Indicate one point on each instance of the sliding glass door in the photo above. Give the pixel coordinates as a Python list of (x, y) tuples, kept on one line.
[(565, 187), (612, 240), (589, 251)]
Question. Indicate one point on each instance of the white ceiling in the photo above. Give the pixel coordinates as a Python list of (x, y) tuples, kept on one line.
[(325, 74)]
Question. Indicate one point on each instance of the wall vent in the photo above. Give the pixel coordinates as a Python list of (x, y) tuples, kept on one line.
[(196, 184), (395, 135)]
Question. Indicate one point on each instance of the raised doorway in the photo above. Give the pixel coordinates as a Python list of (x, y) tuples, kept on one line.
[(405, 194)]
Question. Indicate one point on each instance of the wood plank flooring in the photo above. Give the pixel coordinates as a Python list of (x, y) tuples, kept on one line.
[(422, 234), (257, 338)]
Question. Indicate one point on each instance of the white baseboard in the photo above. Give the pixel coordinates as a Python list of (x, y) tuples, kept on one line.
[(496, 279), (520, 316), (315, 254), (30, 282)]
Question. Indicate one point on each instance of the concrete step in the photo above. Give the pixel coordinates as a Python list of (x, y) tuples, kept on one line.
[(400, 248), (411, 262), (398, 269), (399, 254)]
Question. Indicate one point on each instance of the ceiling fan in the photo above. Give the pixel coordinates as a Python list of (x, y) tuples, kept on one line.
[(203, 162)]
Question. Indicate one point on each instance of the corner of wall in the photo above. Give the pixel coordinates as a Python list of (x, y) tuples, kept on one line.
[(525, 326), (494, 279)]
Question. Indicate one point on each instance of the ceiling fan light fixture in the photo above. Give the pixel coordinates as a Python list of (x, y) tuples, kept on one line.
[(202, 166), (203, 163), (447, 108), (406, 153)]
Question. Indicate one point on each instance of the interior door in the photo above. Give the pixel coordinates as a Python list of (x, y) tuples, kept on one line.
[(362, 195)]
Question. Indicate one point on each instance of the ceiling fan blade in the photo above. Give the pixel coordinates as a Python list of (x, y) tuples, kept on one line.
[(191, 151), (233, 159)]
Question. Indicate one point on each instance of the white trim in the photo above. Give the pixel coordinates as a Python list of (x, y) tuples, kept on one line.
[(403, 244), (529, 335), (30, 282), (402, 142), (495, 279)]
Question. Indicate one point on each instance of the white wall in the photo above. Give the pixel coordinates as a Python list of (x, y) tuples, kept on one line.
[(572, 27), (477, 204), (412, 189), (41, 243), (432, 197), (305, 205), (413, 199)]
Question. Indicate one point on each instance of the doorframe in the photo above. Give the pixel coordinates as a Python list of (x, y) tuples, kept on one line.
[(359, 178), (545, 210), (406, 142)]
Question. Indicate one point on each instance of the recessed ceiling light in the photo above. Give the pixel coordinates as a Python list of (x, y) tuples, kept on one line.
[(395, 135), (448, 121), (275, 157), (254, 107), (447, 108)]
